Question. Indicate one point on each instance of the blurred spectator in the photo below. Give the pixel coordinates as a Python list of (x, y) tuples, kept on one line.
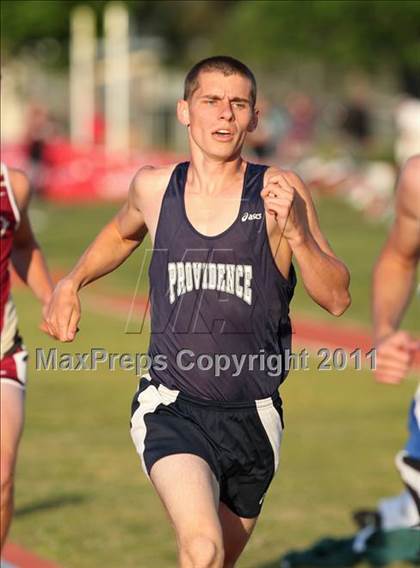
[(303, 114), (98, 128), (407, 121), (273, 123), (39, 130), (356, 121)]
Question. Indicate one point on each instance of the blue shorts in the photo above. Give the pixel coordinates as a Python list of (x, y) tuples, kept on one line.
[(413, 444)]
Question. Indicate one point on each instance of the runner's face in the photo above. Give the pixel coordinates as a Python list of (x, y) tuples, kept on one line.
[(220, 114)]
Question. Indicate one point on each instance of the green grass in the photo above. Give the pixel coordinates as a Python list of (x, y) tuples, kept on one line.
[(82, 499)]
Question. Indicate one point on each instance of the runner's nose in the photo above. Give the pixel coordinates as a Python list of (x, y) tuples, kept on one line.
[(226, 111)]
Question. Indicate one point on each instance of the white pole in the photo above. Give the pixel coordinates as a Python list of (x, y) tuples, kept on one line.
[(82, 75), (117, 74)]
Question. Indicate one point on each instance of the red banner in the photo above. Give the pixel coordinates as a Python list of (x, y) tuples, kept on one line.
[(69, 173)]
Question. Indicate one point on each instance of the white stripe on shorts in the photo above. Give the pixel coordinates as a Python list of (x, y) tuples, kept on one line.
[(271, 422), (409, 475), (149, 400), (17, 385)]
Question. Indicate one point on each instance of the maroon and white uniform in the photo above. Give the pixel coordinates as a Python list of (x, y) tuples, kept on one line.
[(13, 355)]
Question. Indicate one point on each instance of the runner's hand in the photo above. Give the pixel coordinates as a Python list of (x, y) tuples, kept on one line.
[(63, 313), (43, 325), (283, 201), (394, 355)]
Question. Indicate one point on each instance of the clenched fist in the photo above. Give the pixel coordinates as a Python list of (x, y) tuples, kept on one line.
[(283, 201), (394, 355)]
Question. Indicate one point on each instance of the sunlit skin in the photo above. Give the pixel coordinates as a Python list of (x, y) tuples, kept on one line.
[(394, 281), (29, 263), (219, 103), (218, 115)]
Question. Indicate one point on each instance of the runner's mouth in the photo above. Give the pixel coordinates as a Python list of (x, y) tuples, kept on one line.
[(223, 134)]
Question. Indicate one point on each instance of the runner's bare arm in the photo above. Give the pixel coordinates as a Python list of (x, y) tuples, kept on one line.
[(114, 244), (27, 257), (110, 249), (395, 269), (394, 280), (294, 221)]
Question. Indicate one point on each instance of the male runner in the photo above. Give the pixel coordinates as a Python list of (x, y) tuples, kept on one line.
[(18, 244), (393, 286), (221, 279)]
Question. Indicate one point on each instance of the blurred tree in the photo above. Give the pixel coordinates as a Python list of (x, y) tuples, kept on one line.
[(372, 34), (39, 26), (25, 24), (189, 27)]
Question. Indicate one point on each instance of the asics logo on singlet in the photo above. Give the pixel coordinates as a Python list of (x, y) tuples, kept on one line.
[(233, 279), (251, 217)]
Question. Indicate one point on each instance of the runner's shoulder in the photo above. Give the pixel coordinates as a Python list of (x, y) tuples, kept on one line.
[(152, 180), (410, 174), (20, 187), (293, 179), (409, 187)]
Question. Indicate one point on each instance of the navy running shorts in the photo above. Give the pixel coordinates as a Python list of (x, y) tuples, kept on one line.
[(239, 441)]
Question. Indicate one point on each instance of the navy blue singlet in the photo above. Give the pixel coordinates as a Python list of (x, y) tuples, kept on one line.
[(218, 298)]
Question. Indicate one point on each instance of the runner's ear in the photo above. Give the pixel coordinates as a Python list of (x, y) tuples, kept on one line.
[(254, 121), (183, 112)]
